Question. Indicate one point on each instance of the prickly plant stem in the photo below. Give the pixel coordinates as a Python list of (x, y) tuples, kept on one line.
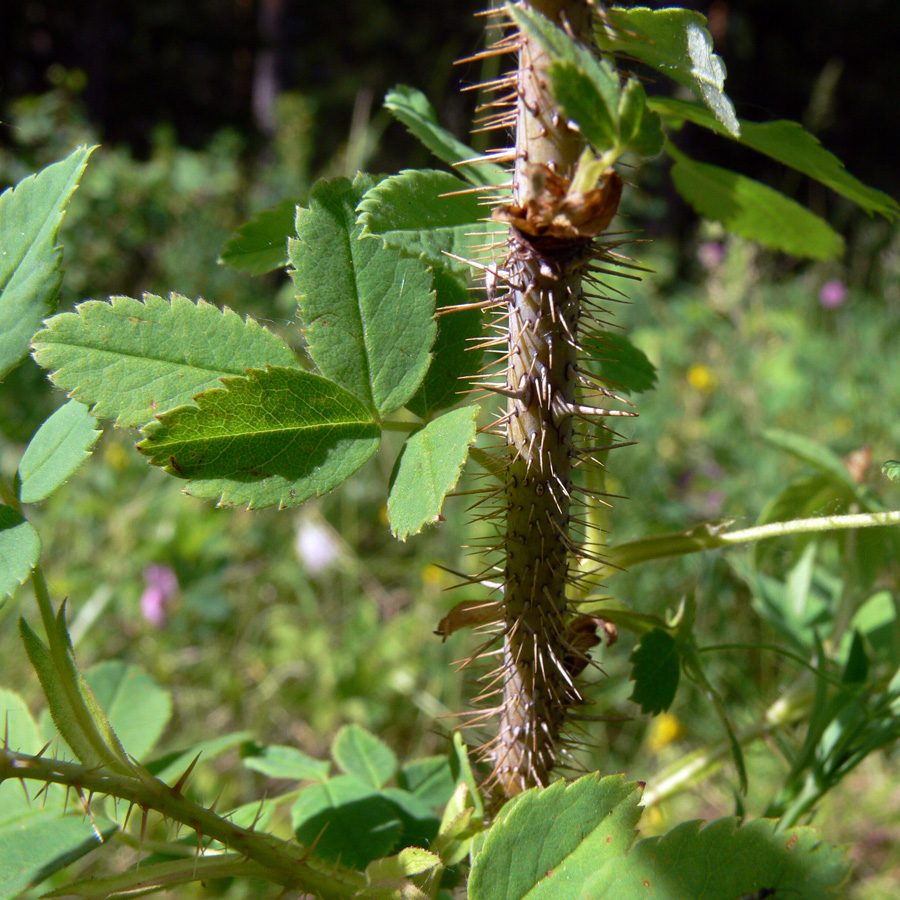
[(543, 313), (284, 863)]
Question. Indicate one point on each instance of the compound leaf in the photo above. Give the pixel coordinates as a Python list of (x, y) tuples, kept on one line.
[(60, 446), (278, 761), (430, 467), (278, 436), (553, 839), (133, 359), (30, 260), (368, 312)]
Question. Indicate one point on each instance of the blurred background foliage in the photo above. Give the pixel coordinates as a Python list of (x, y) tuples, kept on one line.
[(292, 623)]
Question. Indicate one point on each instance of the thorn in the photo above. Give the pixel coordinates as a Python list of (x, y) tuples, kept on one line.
[(181, 781)]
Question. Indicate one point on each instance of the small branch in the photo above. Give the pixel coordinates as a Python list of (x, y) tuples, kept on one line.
[(284, 862)]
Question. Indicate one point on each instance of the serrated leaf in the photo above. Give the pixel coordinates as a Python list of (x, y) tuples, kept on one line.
[(656, 669), (20, 550), (720, 861), (432, 461), (412, 108), (30, 260), (60, 446), (614, 358), (788, 143), (677, 43), (278, 761), (368, 312), (260, 245), (347, 820), (555, 838), (410, 213), (278, 436), (359, 753), (454, 358), (131, 360), (42, 842), (752, 210), (137, 708)]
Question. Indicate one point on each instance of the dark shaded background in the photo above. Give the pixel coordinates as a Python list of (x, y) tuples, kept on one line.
[(200, 64)]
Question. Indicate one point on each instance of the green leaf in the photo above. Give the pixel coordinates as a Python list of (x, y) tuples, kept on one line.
[(347, 820), (359, 753), (723, 861), (137, 708), (586, 88), (813, 453), (368, 312), (410, 213), (60, 446), (655, 671), (554, 839), (430, 467), (640, 129), (455, 358), (752, 210), (412, 108), (891, 469), (279, 761), (260, 245), (790, 144), (275, 437), (614, 358), (39, 844), (132, 360), (30, 260), (430, 779), (20, 550), (20, 735), (677, 43)]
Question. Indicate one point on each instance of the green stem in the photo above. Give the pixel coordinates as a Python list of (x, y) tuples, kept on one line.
[(284, 863), (712, 537)]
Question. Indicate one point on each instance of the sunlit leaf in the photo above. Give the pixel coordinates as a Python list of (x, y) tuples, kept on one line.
[(431, 465), (30, 260), (60, 446), (368, 311), (750, 209), (276, 437), (20, 550), (131, 360)]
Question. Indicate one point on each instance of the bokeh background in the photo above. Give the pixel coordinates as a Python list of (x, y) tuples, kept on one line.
[(292, 623)]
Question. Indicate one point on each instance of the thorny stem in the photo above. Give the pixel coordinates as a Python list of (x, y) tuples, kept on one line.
[(284, 863)]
